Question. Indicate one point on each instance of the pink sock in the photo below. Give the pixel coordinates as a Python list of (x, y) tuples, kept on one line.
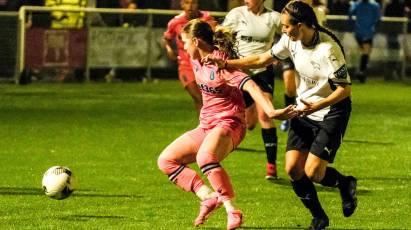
[(181, 175), (217, 176)]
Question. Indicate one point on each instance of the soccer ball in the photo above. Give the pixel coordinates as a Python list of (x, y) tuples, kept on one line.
[(58, 182)]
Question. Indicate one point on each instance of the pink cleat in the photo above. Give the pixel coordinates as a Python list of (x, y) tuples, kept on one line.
[(206, 208), (234, 219)]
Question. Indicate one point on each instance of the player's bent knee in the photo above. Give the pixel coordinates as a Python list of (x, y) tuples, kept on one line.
[(314, 174), (294, 172), (167, 166), (205, 158)]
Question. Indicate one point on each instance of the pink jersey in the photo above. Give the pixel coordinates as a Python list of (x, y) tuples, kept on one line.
[(173, 31), (223, 102)]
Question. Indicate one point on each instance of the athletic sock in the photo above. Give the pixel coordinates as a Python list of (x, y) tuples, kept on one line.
[(204, 193), (270, 143), (289, 100), (229, 206), (364, 62), (219, 180), (305, 190), (332, 178)]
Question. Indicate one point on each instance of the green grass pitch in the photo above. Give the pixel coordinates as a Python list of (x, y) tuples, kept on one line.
[(111, 134)]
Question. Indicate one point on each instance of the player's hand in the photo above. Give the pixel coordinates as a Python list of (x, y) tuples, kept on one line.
[(307, 109), (284, 114), (210, 59)]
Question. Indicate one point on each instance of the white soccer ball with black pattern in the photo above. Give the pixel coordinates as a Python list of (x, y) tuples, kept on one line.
[(58, 182)]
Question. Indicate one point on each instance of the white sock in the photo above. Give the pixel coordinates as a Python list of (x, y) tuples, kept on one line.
[(205, 193), (229, 206)]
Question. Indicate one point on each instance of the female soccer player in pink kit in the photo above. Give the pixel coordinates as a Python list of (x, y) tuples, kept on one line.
[(173, 32), (222, 123)]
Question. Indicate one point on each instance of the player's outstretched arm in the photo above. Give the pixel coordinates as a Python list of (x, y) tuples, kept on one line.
[(250, 62), (257, 94)]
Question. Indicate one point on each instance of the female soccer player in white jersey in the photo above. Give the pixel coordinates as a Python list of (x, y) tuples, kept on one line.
[(222, 123), (255, 27), (323, 102)]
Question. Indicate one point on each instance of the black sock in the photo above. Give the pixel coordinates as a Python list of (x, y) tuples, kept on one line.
[(270, 144), (305, 190), (289, 100), (364, 62), (332, 178)]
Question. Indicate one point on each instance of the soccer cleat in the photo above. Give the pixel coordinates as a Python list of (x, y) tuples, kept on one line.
[(271, 172), (285, 125), (234, 219), (349, 196), (206, 208), (319, 223)]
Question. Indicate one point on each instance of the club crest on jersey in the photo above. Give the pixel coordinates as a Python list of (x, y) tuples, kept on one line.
[(212, 75), (341, 73), (315, 65)]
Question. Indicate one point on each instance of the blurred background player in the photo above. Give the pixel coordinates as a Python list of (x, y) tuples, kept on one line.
[(367, 15), (222, 123), (255, 27), (173, 34)]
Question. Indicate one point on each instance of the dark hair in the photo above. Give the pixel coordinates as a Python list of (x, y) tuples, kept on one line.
[(222, 37), (301, 12)]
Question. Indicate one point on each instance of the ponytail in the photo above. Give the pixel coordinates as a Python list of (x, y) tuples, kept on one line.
[(225, 41), (332, 35), (222, 38)]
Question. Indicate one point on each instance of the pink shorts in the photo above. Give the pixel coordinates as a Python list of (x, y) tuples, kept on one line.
[(237, 133), (186, 75)]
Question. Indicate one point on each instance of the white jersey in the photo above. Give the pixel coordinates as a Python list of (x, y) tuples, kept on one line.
[(318, 68), (255, 33)]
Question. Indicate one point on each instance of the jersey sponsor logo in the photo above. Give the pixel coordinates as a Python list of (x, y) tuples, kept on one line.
[(208, 89), (341, 73), (309, 81)]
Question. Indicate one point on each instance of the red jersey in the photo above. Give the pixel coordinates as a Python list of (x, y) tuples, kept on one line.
[(173, 31), (221, 89)]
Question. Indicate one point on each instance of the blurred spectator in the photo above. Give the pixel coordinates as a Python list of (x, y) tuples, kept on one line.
[(340, 7), (367, 13), (61, 19), (394, 8)]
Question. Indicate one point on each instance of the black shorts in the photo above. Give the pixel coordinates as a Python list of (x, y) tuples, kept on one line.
[(287, 64), (321, 138), (265, 80)]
